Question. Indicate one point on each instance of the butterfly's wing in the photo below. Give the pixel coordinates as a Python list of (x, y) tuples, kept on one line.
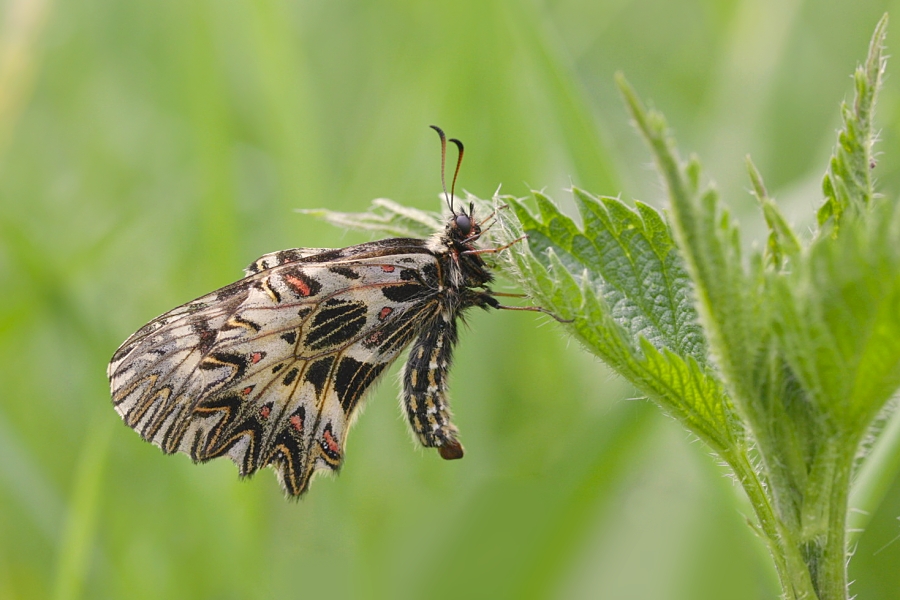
[(270, 370), (274, 259), (324, 255)]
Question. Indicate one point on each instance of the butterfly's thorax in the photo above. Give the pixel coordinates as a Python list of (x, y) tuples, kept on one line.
[(453, 249)]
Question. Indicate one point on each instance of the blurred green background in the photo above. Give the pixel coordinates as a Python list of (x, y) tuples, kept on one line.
[(150, 149)]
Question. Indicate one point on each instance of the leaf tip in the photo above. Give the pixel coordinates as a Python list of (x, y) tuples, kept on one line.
[(759, 188)]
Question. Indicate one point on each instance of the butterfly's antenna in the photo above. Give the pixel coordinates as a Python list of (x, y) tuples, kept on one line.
[(440, 132), (462, 149)]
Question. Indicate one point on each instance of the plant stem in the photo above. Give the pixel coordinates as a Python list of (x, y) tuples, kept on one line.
[(831, 561), (789, 564), (810, 554)]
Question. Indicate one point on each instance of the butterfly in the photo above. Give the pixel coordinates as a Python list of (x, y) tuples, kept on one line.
[(270, 370)]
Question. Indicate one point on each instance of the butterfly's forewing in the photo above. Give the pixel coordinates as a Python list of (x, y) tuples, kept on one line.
[(270, 370), (273, 259)]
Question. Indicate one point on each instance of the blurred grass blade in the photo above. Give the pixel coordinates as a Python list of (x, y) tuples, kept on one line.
[(24, 478), (20, 42), (76, 547), (564, 531)]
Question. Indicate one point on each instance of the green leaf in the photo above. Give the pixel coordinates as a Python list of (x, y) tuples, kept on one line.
[(783, 244), (848, 181), (622, 280), (728, 297), (629, 257), (689, 393), (839, 322)]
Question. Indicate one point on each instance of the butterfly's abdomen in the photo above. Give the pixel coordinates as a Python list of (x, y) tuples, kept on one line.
[(425, 385)]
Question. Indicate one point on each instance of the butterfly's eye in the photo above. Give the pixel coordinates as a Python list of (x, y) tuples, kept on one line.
[(464, 223)]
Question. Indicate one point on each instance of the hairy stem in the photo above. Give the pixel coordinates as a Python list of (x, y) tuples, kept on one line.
[(790, 565)]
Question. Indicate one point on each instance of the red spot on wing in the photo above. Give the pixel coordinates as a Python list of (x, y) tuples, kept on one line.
[(257, 356), (388, 268), (300, 286), (331, 443), (264, 411), (297, 423), (247, 390), (387, 310)]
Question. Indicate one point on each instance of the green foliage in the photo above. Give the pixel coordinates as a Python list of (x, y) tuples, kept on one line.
[(848, 181), (623, 282), (799, 348)]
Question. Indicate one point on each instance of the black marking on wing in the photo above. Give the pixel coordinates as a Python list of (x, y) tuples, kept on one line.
[(406, 292), (290, 376), (287, 453), (237, 321), (344, 272), (265, 410), (429, 274), (290, 337), (238, 421), (352, 379), (317, 373), (331, 447), (162, 409), (286, 256), (173, 435), (337, 322), (218, 360), (140, 408), (232, 290), (374, 339), (267, 288), (207, 336)]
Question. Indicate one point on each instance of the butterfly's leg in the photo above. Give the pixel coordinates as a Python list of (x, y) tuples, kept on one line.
[(486, 300), (425, 388), (495, 250)]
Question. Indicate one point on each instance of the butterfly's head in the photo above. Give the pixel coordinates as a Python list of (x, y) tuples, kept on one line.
[(463, 227), (462, 223)]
